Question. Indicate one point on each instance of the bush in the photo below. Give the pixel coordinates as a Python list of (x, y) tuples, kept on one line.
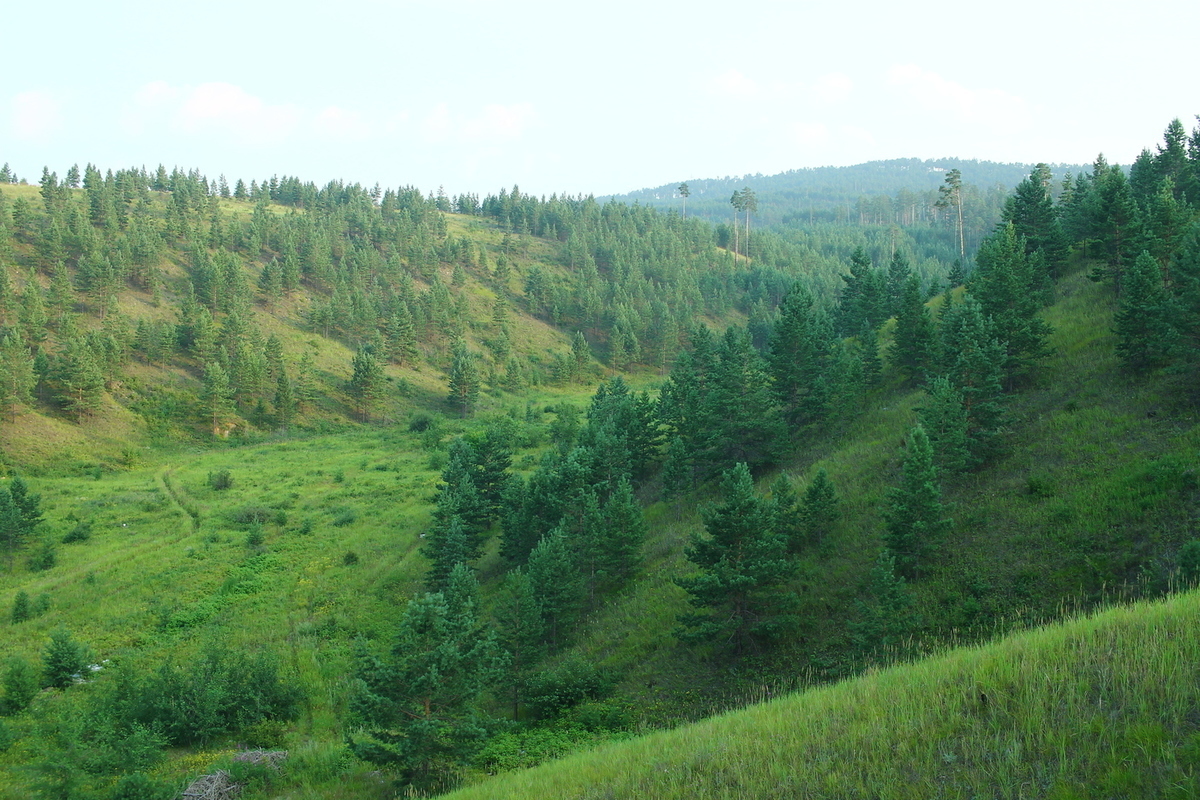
[(344, 517), (64, 660), (140, 786), (80, 533), (220, 480), (567, 685), (350, 559), (421, 422), (252, 515), (21, 609), (20, 684), (220, 692), (255, 538), (1189, 563), (43, 558)]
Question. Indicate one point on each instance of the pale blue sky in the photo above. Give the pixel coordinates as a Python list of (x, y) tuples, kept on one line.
[(603, 98)]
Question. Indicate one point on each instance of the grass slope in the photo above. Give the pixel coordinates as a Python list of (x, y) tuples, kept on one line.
[(1099, 707)]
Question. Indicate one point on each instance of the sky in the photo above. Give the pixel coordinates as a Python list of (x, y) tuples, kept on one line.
[(598, 98)]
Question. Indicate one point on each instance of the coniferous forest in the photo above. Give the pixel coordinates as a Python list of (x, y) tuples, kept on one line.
[(334, 491)]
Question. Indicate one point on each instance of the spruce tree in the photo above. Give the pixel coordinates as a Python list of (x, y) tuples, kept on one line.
[(557, 586), (217, 397), (366, 384), (913, 342), (886, 619), (17, 378), (420, 707), (945, 420), (914, 513), (1143, 325), (818, 508), (741, 590), (464, 381), (800, 360)]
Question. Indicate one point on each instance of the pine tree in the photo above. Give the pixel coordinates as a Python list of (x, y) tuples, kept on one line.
[(464, 381), (63, 660), (800, 360), (366, 384), (1144, 332), (741, 590), (446, 545), (745, 424), (1007, 293), (17, 378), (80, 379), (898, 275), (623, 533), (886, 620), (556, 585), (21, 610), (217, 397), (1031, 211), (522, 633), (914, 513), (913, 342), (818, 508), (945, 420), (420, 708), (973, 361)]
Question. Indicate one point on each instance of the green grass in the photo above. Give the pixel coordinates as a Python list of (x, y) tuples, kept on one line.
[(1100, 707)]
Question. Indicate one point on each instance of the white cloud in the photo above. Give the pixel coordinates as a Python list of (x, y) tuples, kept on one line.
[(857, 134), (438, 126), (231, 110), (499, 122), (35, 115), (218, 109), (834, 87), (992, 107), (810, 133), (494, 123), (733, 82), (342, 125)]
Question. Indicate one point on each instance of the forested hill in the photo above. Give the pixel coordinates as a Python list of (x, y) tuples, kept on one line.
[(423, 489), (829, 194)]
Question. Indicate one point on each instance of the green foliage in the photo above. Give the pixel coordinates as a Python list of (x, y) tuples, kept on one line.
[(21, 684), (1189, 563), (915, 514), (574, 681), (42, 559), (1144, 332), (464, 381), (886, 619), (80, 532), (741, 590), (221, 480), (220, 692), (419, 707), (64, 660), (21, 609)]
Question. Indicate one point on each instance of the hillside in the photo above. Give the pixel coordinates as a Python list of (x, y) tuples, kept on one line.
[(425, 489), (1101, 706)]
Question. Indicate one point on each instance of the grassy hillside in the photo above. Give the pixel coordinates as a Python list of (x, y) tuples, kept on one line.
[(1099, 707), (166, 548)]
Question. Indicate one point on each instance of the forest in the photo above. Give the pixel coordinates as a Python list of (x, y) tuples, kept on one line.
[(424, 489)]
